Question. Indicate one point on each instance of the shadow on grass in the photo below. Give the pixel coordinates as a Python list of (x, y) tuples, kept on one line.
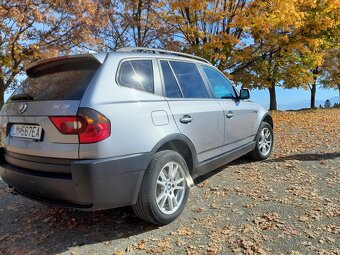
[(27, 227), (240, 161), (246, 160), (306, 157)]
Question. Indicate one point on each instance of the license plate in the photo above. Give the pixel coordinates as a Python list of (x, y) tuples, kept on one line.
[(31, 132)]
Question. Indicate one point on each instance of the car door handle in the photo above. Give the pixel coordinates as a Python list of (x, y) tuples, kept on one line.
[(185, 119), (230, 115)]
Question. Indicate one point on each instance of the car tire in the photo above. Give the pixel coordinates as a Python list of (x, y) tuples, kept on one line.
[(164, 190), (264, 142)]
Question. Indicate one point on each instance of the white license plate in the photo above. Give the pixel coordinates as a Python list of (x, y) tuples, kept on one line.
[(31, 132)]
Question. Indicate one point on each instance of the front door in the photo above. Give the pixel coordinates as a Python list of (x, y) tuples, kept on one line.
[(239, 121), (238, 116)]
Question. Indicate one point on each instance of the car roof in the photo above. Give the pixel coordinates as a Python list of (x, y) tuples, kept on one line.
[(151, 52), (126, 51)]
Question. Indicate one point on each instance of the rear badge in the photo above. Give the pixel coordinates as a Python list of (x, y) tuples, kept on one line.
[(22, 108), (61, 107)]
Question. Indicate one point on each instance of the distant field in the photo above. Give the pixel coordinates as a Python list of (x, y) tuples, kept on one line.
[(288, 204)]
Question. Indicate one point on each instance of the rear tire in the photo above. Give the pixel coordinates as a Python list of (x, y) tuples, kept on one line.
[(264, 142), (164, 190)]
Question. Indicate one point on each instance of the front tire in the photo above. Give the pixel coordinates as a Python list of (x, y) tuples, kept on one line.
[(264, 142), (164, 190)]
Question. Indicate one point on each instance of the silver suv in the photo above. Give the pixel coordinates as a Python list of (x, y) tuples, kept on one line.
[(131, 127)]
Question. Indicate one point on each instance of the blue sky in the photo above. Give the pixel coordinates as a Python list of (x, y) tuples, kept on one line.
[(288, 96)]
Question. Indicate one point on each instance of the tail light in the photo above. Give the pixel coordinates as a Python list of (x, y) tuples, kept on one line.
[(90, 125)]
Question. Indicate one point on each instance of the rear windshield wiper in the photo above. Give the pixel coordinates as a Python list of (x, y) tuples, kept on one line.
[(21, 97)]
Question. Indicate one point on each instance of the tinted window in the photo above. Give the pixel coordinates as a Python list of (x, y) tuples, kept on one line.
[(136, 74), (221, 87), (189, 79), (58, 80), (170, 83)]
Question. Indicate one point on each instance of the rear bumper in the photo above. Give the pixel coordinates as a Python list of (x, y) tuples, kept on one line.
[(87, 185)]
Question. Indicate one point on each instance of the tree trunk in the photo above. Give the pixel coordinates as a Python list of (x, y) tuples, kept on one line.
[(2, 92), (316, 73), (272, 96), (339, 93), (312, 95), (1, 101)]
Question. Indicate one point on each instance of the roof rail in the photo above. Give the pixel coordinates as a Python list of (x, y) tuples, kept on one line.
[(159, 51)]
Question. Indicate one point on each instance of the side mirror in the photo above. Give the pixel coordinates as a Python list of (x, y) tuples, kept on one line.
[(244, 94)]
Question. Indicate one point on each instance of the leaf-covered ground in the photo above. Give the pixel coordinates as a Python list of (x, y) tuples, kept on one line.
[(289, 204)]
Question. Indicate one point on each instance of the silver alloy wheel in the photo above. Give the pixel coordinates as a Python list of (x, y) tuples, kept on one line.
[(170, 188), (265, 142)]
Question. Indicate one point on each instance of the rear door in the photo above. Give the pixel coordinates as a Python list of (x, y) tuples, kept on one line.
[(198, 116), (53, 88), (238, 114)]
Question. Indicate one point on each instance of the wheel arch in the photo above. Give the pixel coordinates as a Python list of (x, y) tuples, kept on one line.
[(268, 118), (182, 145), (256, 154)]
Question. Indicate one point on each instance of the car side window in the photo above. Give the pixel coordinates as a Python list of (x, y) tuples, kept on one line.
[(189, 79), (137, 74), (221, 87), (170, 84)]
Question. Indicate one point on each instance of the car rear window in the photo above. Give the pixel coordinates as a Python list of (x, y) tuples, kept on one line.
[(58, 80), (137, 74)]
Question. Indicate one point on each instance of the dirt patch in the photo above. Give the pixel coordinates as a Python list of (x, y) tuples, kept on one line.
[(289, 204)]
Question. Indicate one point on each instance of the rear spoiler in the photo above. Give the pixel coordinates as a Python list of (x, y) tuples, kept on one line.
[(100, 57)]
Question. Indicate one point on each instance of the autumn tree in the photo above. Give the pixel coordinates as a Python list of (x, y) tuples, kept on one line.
[(134, 23), (318, 35), (330, 77), (210, 29), (268, 58), (30, 30)]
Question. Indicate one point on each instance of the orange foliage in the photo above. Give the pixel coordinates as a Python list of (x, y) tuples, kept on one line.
[(31, 30)]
